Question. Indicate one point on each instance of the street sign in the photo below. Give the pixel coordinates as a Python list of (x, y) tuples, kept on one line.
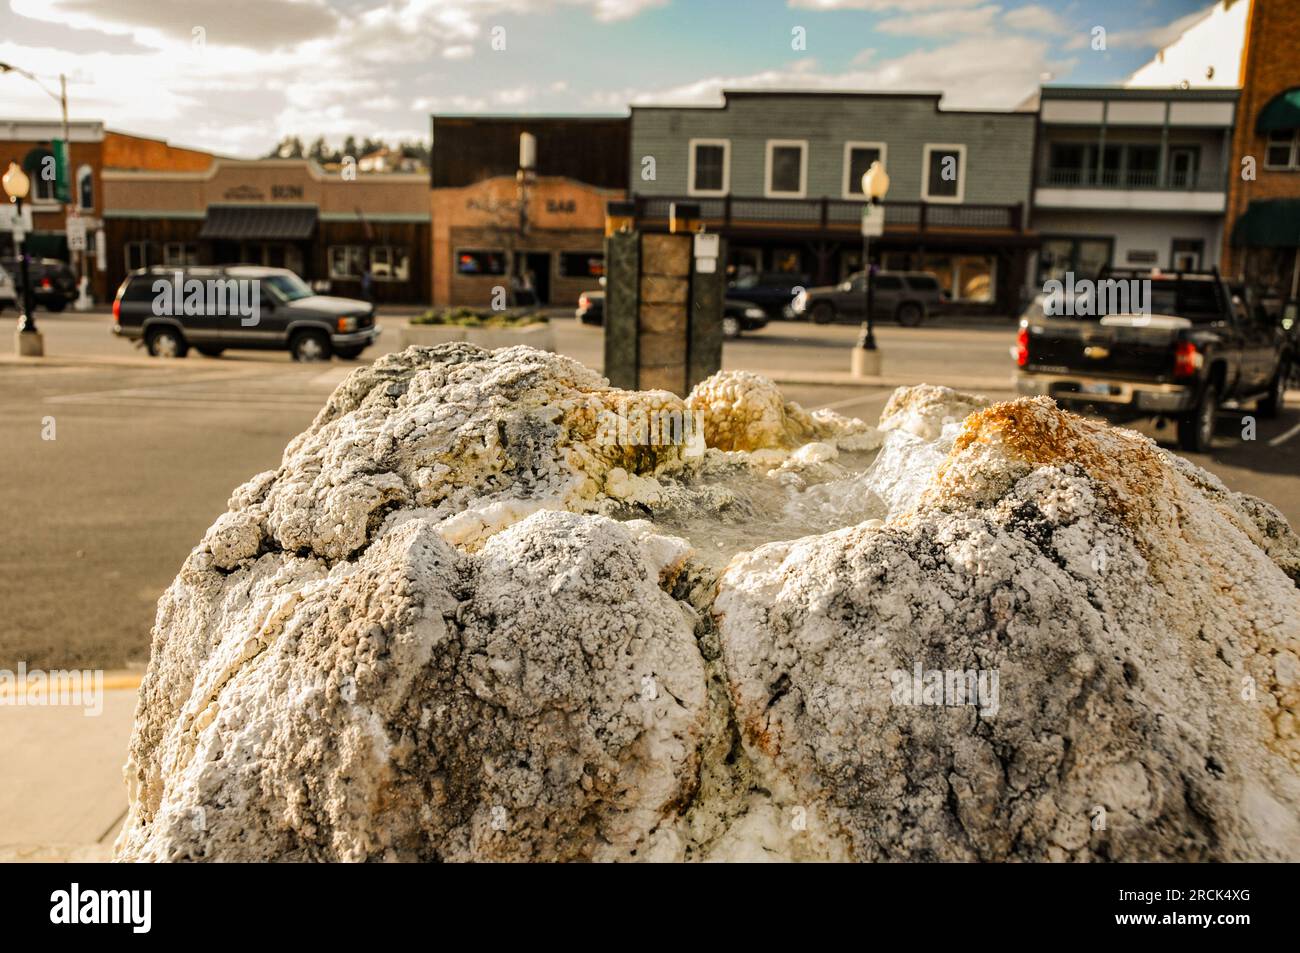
[(873, 221), (9, 217), (76, 233)]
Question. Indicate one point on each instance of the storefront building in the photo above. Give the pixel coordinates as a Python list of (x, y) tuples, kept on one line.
[(92, 149), (779, 175), (1131, 178), (538, 236), (288, 213)]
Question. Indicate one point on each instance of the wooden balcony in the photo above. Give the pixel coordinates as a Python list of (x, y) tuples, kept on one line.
[(835, 218)]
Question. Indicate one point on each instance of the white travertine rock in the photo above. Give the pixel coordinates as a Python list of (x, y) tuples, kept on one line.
[(1144, 646), (423, 637)]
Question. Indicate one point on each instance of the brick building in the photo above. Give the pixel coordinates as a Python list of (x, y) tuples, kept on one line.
[(1263, 212), (488, 233), (92, 149)]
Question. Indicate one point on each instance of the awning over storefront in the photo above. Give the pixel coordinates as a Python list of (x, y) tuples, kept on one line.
[(1269, 223), (1282, 112), (259, 222)]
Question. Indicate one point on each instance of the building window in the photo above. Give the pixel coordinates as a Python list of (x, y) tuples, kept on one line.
[(347, 262), (180, 254), (1185, 255), (787, 168), (1084, 257), (709, 167), (137, 255), (582, 264), (943, 173), (480, 262), (389, 263), (858, 157), (1283, 150)]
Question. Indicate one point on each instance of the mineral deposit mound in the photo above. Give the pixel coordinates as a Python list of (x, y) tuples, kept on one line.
[(490, 608)]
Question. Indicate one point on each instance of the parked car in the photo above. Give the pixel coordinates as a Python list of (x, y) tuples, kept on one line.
[(908, 297), (288, 315), (54, 286), (737, 316), (8, 291), (774, 292), (1197, 350)]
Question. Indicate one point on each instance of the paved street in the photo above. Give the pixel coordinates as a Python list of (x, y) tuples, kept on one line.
[(147, 452)]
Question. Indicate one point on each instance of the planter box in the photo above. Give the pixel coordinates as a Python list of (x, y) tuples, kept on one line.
[(537, 335)]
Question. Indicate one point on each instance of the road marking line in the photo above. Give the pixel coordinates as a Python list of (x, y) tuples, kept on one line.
[(849, 402), (1284, 437)]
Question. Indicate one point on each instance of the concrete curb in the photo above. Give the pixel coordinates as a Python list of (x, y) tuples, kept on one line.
[(845, 379)]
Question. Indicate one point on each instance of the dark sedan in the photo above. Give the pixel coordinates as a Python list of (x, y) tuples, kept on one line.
[(737, 316)]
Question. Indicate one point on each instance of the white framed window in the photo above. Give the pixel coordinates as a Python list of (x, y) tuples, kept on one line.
[(137, 255), (943, 172), (786, 175), (389, 263), (1283, 152), (180, 254), (708, 167), (858, 157), (347, 262)]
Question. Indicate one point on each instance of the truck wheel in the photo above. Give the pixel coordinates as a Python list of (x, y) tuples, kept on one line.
[(909, 314), (166, 342), (730, 327), (308, 346), (1196, 427), (823, 312), (1271, 405)]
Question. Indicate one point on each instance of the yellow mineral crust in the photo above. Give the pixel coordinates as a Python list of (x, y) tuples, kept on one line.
[(745, 411)]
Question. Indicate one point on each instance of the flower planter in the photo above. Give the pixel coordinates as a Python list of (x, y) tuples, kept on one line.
[(537, 335)]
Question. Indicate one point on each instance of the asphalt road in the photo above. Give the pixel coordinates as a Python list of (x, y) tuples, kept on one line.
[(97, 521)]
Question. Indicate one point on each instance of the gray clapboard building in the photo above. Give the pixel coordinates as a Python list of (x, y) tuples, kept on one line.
[(778, 174)]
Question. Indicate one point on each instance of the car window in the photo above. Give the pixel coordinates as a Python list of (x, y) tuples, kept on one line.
[(888, 283), (140, 289), (1194, 300), (747, 281), (288, 287), (923, 282)]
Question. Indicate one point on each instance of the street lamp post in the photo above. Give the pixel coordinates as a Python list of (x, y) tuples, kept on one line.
[(27, 340), (875, 183)]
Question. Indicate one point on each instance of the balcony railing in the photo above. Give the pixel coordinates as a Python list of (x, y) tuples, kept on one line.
[(1200, 181), (736, 213)]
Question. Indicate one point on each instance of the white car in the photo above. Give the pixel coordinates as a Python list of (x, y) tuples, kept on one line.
[(8, 293)]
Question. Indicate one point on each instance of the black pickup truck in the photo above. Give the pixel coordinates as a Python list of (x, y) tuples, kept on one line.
[(1182, 350)]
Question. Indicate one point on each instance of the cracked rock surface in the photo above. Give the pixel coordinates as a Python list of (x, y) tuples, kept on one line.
[(460, 622)]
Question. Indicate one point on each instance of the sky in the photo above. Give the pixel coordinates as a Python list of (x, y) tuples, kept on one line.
[(234, 76)]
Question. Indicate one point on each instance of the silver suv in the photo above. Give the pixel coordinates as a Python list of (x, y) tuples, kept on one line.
[(907, 297)]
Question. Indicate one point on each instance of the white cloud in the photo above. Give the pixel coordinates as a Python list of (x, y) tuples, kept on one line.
[(995, 72), (882, 6), (1035, 18), (941, 23)]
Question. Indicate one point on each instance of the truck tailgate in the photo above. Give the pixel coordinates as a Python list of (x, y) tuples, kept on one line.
[(1135, 349)]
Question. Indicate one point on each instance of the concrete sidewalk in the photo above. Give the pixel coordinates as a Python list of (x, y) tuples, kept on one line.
[(62, 797)]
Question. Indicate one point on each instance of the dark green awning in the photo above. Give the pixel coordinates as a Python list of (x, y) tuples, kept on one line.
[(1269, 223), (1282, 112), (259, 222)]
